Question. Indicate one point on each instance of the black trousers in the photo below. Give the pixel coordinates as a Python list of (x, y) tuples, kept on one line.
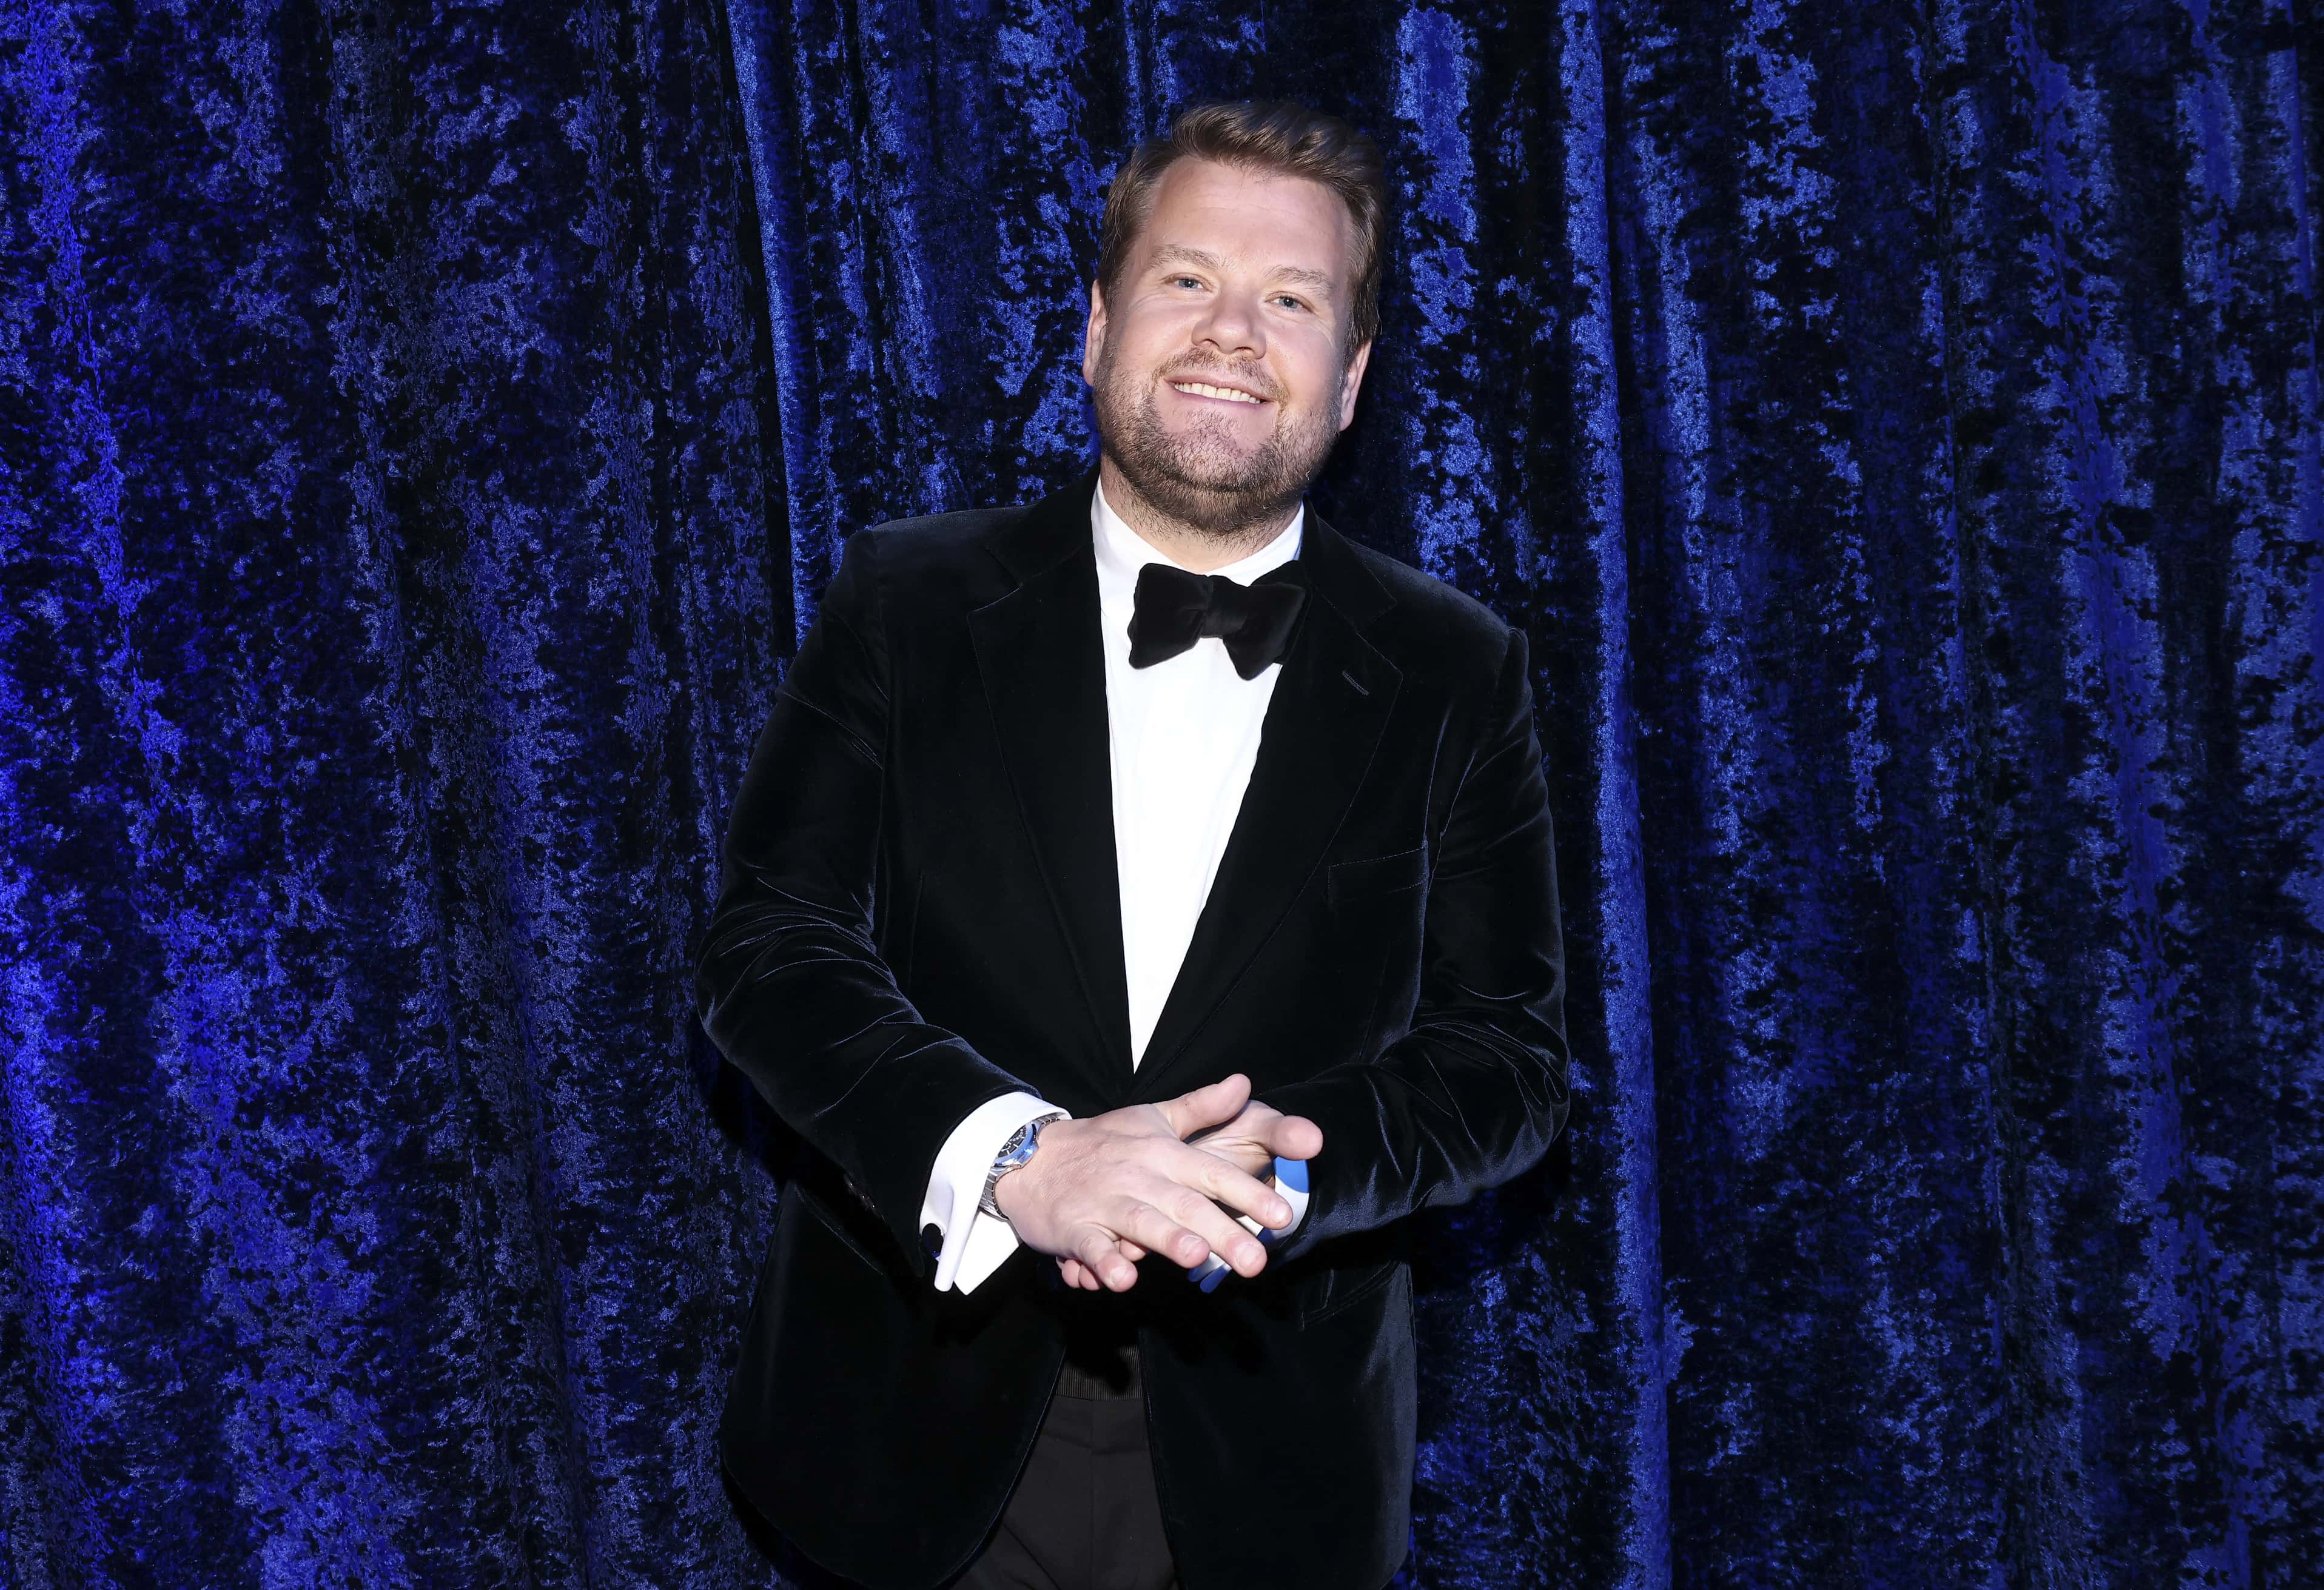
[(1084, 1515)]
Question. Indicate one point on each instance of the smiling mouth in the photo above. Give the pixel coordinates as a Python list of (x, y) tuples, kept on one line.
[(1203, 389)]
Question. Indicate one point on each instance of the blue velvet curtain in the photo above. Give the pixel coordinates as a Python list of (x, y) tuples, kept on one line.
[(424, 432)]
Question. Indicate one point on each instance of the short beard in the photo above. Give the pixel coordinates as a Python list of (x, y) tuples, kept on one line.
[(1195, 480)]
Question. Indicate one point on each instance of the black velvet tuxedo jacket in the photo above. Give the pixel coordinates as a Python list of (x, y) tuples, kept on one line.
[(919, 912)]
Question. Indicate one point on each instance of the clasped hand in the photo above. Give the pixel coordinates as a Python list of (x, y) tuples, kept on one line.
[(1099, 1194)]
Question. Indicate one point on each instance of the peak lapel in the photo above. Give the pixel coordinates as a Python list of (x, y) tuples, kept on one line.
[(1041, 659), (1323, 725)]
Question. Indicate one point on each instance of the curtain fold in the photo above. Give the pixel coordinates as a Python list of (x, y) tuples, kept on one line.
[(424, 433)]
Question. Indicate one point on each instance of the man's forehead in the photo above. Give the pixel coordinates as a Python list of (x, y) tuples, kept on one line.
[(1191, 186)]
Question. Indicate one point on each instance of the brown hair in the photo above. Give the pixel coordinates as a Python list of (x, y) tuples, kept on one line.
[(1262, 134)]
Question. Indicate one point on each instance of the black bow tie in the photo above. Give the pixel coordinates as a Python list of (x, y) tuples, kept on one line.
[(1176, 609)]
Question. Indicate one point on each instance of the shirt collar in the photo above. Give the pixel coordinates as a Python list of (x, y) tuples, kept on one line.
[(1121, 551)]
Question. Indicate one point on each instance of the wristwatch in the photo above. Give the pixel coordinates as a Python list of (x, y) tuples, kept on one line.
[(1013, 1153)]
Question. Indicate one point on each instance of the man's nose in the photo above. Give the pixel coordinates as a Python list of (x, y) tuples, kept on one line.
[(1233, 327)]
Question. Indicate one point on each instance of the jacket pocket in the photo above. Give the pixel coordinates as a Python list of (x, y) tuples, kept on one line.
[(1350, 881), (848, 1224)]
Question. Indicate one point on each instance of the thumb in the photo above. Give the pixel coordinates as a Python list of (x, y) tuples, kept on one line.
[(1211, 1105), (1296, 1138)]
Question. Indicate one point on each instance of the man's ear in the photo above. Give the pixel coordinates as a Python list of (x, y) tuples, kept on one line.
[(1092, 335), (1350, 382)]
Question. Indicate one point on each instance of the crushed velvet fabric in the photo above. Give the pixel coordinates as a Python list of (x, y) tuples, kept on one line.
[(425, 431)]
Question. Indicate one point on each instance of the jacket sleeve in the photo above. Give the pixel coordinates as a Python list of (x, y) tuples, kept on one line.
[(1474, 1091), (788, 983)]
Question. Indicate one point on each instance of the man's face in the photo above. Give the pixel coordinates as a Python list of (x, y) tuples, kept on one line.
[(1217, 375)]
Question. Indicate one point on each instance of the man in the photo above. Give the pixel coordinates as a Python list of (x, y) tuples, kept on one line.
[(1108, 868)]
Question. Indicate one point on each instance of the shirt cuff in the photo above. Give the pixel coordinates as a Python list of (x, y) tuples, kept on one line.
[(973, 1243)]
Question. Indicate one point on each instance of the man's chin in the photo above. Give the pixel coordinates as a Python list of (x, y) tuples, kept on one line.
[(1201, 477), (1228, 484), (1221, 505), (1215, 479), (1213, 451)]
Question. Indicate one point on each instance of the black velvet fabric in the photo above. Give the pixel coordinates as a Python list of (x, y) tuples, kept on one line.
[(920, 886)]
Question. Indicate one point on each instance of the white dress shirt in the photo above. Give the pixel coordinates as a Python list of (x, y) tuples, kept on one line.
[(1184, 734)]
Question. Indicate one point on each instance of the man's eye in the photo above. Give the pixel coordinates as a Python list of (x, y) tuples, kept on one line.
[(1182, 281), (1286, 299)]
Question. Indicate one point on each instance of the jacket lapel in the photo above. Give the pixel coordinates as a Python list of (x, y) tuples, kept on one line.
[(1323, 725), (1041, 659)]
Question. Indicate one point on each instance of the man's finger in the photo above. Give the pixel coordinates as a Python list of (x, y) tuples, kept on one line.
[(1158, 1233), (1295, 1137), (1221, 1232), (1093, 1245), (1077, 1274), (1223, 1181), (1212, 1104), (1262, 1130), (1237, 1141)]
